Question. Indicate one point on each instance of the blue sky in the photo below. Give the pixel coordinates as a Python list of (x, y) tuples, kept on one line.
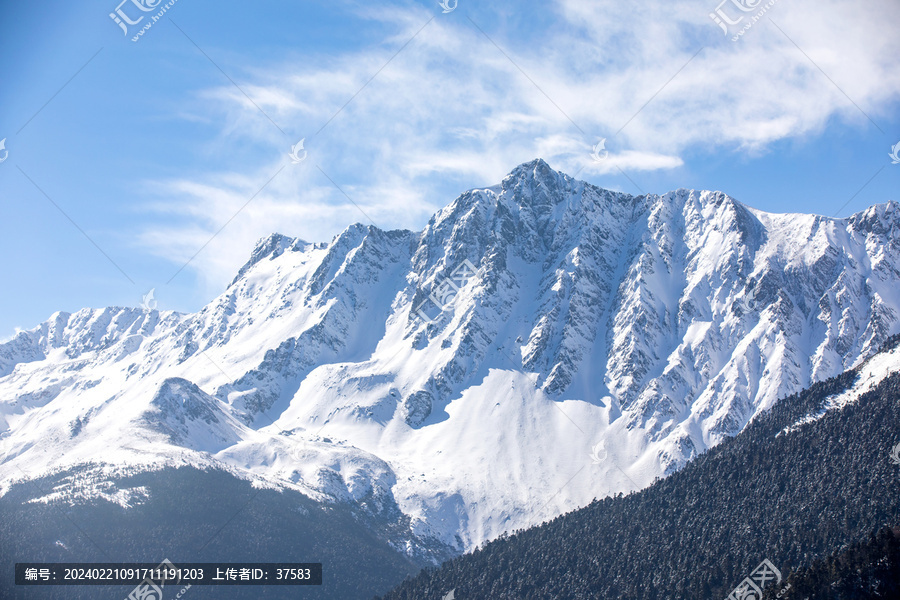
[(126, 158)]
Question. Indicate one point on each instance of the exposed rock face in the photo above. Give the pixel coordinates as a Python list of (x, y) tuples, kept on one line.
[(657, 323)]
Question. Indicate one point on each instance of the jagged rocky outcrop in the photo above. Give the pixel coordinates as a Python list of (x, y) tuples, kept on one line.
[(526, 323)]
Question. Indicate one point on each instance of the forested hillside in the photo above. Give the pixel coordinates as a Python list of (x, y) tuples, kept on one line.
[(787, 496), (867, 570), (192, 515)]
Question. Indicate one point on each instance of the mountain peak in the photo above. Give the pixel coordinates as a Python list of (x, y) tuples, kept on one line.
[(540, 190), (878, 218), (535, 165), (536, 173), (271, 246)]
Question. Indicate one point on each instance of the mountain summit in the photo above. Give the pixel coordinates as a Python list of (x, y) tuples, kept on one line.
[(464, 373)]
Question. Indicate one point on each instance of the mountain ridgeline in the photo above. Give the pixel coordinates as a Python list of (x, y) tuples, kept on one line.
[(451, 385)]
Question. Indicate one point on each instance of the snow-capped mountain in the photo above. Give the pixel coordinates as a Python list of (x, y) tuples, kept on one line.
[(541, 343)]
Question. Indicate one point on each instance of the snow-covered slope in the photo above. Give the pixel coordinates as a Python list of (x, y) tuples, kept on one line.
[(869, 374), (603, 340)]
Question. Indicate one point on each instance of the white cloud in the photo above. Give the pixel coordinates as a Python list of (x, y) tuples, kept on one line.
[(631, 160), (451, 111)]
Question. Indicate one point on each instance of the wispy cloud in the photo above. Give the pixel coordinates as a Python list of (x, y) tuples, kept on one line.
[(452, 108)]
